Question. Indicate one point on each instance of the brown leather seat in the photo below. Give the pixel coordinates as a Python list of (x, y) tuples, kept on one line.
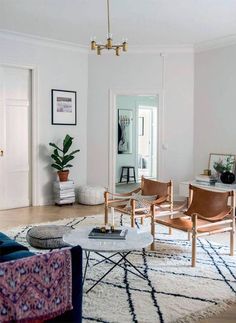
[(186, 224), (163, 193), (208, 213)]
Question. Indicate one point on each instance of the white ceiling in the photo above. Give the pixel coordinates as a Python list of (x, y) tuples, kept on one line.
[(149, 22)]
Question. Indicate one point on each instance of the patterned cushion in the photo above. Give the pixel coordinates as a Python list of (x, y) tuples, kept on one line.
[(47, 236), (140, 201)]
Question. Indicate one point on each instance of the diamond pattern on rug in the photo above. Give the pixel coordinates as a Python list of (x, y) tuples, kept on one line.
[(173, 291)]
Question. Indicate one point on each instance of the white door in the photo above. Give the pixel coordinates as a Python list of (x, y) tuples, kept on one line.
[(147, 141), (15, 112)]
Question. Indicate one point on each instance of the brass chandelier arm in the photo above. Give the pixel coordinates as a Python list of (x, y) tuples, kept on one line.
[(117, 48)]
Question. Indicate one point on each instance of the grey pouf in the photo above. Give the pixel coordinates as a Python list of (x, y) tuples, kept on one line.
[(47, 236)]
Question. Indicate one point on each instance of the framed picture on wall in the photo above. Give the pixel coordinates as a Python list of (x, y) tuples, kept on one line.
[(125, 128), (63, 107)]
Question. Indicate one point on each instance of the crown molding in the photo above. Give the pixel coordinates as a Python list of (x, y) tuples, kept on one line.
[(161, 48), (53, 43), (229, 40), (37, 40), (145, 49)]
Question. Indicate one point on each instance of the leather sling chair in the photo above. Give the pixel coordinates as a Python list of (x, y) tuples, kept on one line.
[(140, 205), (208, 213)]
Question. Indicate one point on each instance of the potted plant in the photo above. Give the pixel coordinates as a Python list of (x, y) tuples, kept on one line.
[(62, 158), (220, 166), (225, 170)]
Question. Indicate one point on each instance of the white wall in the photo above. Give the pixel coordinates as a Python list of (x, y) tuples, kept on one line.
[(215, 111), (66, 67), (58, 67), (178, 117), (132, 72)]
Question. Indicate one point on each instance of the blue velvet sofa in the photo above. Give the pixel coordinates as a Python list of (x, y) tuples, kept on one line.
[(12, 250)]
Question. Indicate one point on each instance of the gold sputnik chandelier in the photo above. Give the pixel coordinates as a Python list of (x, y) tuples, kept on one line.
[(109, 44)]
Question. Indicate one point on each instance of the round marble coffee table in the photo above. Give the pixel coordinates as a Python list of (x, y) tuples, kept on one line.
[(135, 240)]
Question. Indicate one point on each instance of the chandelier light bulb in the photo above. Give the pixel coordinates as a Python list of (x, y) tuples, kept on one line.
[(93, 45), (125, 46), (109, 43)]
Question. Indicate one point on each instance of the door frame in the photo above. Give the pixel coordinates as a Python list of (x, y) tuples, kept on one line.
[(112, 116), (33, 187)]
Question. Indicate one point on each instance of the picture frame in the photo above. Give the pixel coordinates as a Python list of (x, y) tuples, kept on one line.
[(125, 131), (221, 158), (64, 106)]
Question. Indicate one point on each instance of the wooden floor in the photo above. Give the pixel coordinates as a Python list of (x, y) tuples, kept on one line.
[(15, 217), (37, 214)]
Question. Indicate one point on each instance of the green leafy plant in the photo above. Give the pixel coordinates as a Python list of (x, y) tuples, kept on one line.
[(60, 156), (220, 166)]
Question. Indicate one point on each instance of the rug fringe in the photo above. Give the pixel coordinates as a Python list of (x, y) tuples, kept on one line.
[(208, 312)]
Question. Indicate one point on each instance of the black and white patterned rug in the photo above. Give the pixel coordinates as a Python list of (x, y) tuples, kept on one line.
[(173, 290)]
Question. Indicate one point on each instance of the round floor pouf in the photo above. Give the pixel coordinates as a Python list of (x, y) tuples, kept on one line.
[(91, 195), (47, 236)]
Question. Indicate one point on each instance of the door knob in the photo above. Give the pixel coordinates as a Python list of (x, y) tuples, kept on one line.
[(1, 152)]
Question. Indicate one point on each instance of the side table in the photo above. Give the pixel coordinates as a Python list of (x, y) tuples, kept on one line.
[(218, 187)]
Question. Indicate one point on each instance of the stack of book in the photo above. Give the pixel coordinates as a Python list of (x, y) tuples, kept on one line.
[(205, 179), (116, 234), (64, 192)]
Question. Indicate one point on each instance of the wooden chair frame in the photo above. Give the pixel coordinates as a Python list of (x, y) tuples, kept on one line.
[(134, 212), (228, 225)]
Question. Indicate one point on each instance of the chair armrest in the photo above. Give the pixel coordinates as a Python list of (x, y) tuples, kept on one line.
[(179, 209), (110, 202), (124, 195), (116, 197), (149, 203)]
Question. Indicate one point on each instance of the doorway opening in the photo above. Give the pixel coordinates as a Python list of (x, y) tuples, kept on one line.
[(136, 140), (147, 141)]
